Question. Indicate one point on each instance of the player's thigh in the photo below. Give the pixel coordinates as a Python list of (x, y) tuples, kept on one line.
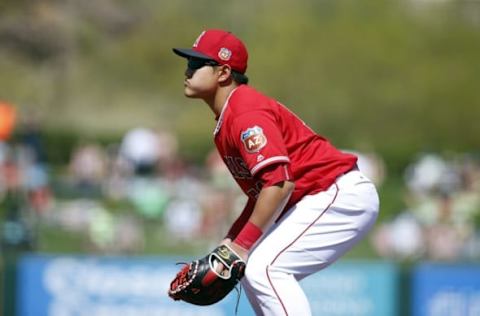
[(319, 229), (283, 245)]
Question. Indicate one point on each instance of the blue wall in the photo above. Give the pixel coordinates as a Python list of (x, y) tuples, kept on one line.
[(62, 286), (445, 290), (78, 285)]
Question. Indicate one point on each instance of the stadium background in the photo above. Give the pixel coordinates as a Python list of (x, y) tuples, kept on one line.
[(395, 81)]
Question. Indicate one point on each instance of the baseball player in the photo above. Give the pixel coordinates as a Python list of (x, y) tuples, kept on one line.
[(308, 203)]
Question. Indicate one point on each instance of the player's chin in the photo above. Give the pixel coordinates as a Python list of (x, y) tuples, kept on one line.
[(189, 93)]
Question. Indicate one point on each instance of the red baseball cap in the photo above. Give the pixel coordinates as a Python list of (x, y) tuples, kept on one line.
[(220, 46)]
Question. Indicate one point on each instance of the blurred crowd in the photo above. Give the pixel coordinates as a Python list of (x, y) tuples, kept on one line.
[(24, 178), (145, 176), (137, 194), (441, 218), (123, 197)]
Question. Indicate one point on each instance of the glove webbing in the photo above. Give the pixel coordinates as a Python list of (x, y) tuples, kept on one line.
[(182, 277)]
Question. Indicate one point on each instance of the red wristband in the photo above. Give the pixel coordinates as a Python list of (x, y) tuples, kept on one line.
[(249, 234)]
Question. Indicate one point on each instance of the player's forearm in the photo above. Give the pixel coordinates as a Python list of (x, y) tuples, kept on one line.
[(271, 201), (241, 220)]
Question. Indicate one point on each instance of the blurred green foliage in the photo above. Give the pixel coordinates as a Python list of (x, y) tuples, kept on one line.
[(397, 77)]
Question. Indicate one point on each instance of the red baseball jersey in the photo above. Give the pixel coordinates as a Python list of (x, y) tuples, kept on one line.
[(255, 131)]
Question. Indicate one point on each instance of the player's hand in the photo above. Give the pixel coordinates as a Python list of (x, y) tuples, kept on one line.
[(241, 252)]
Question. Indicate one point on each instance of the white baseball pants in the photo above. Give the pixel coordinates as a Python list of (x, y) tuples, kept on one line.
[(309, 237)]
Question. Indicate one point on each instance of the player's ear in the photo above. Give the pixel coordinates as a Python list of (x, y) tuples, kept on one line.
[(225, 73)]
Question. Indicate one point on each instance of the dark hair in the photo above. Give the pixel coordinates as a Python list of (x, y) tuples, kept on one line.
[(239, 78)]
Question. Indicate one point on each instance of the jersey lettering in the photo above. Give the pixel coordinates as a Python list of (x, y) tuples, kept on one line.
[(238, 168), (254, 192)]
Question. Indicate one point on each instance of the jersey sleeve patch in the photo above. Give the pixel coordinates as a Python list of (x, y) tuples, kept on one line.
[(253, 139)]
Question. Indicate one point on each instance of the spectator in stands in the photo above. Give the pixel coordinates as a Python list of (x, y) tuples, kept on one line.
[(88, 169), (141, 148)]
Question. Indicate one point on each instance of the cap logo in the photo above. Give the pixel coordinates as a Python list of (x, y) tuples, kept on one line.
[(224, 54), (198, 39), (253, 139)]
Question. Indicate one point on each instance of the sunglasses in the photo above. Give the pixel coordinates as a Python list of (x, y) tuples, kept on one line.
[(196, 63)]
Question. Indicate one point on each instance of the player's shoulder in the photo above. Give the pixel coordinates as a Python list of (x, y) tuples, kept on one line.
[(247, 99)]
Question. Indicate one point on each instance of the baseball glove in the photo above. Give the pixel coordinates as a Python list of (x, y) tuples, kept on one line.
[(208, 280)]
